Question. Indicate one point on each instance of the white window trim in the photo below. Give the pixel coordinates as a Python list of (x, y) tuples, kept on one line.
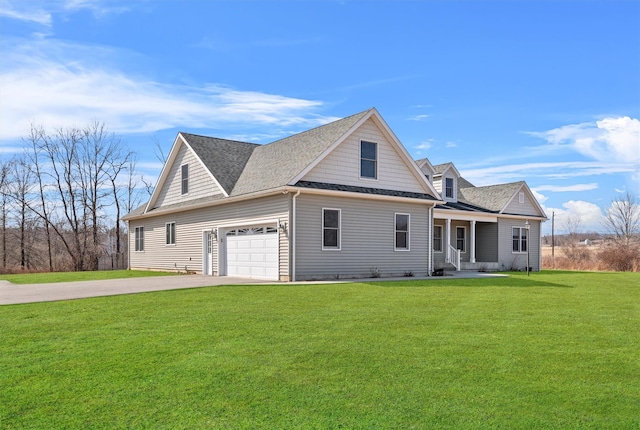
[(519, 239), (135, 239), (453, 188), (366, 178), (395, 231), (464, 250), (442, 244), (182, 178), (175, 233), (339, 247)]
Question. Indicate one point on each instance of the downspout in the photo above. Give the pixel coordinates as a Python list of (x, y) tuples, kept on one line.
[(292, 243)]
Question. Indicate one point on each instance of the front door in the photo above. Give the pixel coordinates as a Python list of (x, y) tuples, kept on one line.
[(207, 254)]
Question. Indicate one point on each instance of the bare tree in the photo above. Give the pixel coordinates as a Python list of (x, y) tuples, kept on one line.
[(4, 192), (33, 145), (623, 218), (20, 191)]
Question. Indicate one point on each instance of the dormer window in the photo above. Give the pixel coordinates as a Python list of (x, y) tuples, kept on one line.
[(448, 188), (368, 160), (185, 179)]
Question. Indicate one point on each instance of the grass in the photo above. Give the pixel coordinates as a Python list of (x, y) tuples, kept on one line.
[(556, 350), (45, 278)]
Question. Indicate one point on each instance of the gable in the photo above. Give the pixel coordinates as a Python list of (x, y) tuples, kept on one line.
[(342, 164), (201, 184), (524, 203)]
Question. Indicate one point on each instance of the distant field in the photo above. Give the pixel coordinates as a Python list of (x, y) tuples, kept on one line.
[(556, 350)]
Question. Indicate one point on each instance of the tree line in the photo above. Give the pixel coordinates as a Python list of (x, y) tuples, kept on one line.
[(62, 198)]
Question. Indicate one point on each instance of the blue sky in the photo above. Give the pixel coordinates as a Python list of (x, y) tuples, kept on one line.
[(545, 91)]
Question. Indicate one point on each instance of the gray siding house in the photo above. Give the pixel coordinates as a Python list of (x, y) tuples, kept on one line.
[(341, 200)]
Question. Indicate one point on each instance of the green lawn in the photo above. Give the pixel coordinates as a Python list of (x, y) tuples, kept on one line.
[(46, 278), (557, 350)]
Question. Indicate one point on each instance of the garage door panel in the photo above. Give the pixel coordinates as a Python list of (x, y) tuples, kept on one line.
[(253, 255)]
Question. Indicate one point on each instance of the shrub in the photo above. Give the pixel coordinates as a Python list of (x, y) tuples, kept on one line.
[(621, 257)]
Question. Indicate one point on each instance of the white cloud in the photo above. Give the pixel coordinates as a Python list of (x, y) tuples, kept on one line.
[(451, 145), (418, 117), (568, 188), (57, 84), (41, 11), (554, 170), (607, 140), (25, 11), (589, 214)]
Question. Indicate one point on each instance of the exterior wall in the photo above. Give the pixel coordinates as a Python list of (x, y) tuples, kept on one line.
[(526, 208), (200, 182), (186, 254), (367, 239), (342, 165), (506, 257), (486, 242)]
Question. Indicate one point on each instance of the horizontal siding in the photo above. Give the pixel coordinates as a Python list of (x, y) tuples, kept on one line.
[(509, 260), (200, 182), (367, 239), (342, 165), (187, 252), (526, 208), (486, 242)]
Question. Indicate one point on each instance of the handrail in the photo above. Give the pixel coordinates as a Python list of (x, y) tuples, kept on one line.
[(453, 257)]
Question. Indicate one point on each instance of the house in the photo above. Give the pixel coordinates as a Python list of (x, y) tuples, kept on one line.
[(341, 200)]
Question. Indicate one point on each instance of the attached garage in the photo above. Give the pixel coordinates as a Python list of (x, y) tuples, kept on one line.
[(252, 252)]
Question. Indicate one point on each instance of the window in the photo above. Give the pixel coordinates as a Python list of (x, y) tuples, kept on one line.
[(170, 228), (402, 232), (519, 239), (139, 239), (448, 188), (185, 179), (331, 229), (521, 197), (437, 238), (460, 239), (368, 160)]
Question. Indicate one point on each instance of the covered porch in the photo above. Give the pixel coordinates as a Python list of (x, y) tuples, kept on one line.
[(466, 242)]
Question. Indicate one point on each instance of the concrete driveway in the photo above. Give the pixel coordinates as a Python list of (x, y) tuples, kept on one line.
[(32, 293)]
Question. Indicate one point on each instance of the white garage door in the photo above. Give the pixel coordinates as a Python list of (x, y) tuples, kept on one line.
[(253, 252)]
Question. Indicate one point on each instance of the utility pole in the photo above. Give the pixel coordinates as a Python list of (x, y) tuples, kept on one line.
[(553, 240)]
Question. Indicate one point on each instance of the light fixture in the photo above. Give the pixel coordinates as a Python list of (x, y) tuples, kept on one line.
[(214, 233), (283, 226)]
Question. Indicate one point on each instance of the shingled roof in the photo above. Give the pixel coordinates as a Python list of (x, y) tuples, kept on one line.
[(278, 163), (492, 197), (226, 159)]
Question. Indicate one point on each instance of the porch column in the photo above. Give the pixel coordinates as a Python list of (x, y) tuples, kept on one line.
[(472, 245), (448, 239)]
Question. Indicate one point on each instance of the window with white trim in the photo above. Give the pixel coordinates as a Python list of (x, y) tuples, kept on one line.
[(185, 178), (519, 239), (448, 188), (170, 233), (437, 238), (331, 229), (139, 239), (461, 242), (521, 197), (402, 232), (368, 160)]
